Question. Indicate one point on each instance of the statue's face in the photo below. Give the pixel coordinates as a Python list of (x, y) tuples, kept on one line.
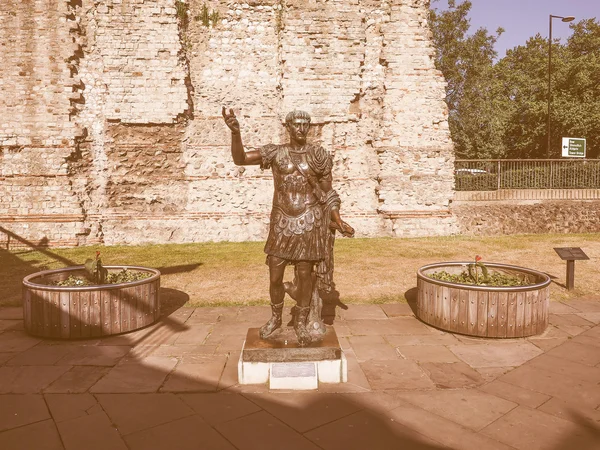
[(298, 130)]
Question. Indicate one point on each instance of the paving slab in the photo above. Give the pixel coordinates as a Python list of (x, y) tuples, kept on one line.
[(516, 394), (144, 375), (446, 432), (572, 411), (7, 356), (304, 411), (492, 373), (198, 375), (90, 432), (135, 412), (585, 304), (427, 353), (17, 341), (229, 376), (264, 431), (230, 343), (395, 374), (422, 339), (365, 430), (377, 401), (18, 410), (397, 309), (577, 352), (568, 368), (468, 407), (362, 312), (220, 407), (525, 428), (372, 347), (568, 319), (28, 379), (38, 436), (496, 354), (231, 328), (71, 406), (11, 313), (15, 325), (77, 380), (561, 308), (548, 344), (593, 317), (96, 355), (555, 385), (452, 375), (189, 433), (587, 340), (256, 314), (212, 314), (395, 325), (40, 355), (194, 334)]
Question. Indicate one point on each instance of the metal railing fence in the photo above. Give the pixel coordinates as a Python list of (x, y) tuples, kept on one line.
[(494, 174)]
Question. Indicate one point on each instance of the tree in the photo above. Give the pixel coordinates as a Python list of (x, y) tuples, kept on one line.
[(500, 110), (467, 64), (577, 87), (522, 75)]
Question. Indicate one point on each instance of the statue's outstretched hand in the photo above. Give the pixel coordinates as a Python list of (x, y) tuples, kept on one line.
[(343, 228), (231, 121)]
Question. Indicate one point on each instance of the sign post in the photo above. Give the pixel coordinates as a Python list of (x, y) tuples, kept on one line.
[(573, 147)]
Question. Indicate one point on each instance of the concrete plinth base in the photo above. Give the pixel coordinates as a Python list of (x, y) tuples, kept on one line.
[(283, 364)]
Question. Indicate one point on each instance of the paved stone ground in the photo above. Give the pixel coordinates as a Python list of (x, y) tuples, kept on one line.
[(173, 385)]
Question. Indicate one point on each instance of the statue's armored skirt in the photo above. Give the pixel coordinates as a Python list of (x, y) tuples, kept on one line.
[(298, 228)]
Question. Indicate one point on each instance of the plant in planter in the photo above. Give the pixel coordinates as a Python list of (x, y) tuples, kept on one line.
[(91, 300), (478, 274), (486, 300), (96, 273)]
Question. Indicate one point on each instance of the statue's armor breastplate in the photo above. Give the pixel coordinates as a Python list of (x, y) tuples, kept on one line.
[(293, 192)]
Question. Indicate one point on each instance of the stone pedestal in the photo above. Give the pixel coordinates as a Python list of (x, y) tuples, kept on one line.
[(282, 363)]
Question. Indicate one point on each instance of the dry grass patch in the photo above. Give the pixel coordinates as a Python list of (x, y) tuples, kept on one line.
[(366, 271)]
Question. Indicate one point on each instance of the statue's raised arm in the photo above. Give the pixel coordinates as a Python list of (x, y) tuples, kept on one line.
[(240, 157)]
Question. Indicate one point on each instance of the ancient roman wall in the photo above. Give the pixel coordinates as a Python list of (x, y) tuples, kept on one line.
[(110, 126)]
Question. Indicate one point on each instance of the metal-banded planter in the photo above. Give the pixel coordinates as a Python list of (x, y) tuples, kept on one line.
[(88, 311), (485, 311)]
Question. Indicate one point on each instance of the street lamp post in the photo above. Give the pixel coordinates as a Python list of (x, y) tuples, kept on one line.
[(563, 19)]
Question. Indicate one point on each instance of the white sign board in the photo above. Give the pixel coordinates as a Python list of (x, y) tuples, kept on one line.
[(573, 147)]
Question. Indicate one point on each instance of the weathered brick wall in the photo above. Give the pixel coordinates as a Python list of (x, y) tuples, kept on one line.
[(524, 217), (517, 211), (125, 105), (39, 93)]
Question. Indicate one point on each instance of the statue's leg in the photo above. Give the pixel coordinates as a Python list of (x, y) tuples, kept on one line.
[(276, 291), (304, 292)]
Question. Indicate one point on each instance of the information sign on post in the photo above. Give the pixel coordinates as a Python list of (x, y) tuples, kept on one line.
[(573, 147)]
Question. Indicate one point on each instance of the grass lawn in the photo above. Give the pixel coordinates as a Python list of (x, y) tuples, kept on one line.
[(379, 270)]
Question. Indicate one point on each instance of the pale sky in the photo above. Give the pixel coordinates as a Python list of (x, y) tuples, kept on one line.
[(522, 19)]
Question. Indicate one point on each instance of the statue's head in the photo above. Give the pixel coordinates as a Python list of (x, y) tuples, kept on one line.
[(297, 124)]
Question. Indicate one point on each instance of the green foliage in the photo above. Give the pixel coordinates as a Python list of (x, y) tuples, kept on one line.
[(94, 270), (124, 276), (182, 14), (500, 109), (467, 64), (207, 17), (493, 278)]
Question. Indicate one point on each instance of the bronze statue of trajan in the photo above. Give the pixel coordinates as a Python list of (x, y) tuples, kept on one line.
[(304, 218)]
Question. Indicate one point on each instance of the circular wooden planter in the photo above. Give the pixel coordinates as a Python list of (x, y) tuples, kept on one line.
[(497, 312), (88, 311)]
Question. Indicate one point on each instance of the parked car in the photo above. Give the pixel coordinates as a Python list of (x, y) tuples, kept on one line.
[(470, 172)]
